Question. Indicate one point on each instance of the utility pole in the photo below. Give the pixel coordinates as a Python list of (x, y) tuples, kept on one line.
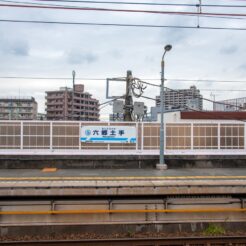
[(128, 98), (134, 87), (73, 73)]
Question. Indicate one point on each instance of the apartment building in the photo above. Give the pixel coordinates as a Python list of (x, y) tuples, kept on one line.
[(236, 104), (18, 108), (66, 104), (184, 99)]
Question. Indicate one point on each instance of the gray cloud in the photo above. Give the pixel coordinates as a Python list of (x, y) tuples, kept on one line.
[(242, 70), (14, 47), (228, 50), (56, 50), (150, 59), (243, 67), (20, 49), (175, 36), (79, 57), (116, 54)]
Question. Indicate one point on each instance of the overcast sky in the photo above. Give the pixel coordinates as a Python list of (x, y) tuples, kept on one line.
[(41, 50)]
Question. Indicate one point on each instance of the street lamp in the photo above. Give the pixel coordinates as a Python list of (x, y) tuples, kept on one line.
[(161, 165), (73, 73)]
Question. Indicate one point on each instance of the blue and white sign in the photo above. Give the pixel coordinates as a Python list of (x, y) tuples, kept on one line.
[(108, 134)]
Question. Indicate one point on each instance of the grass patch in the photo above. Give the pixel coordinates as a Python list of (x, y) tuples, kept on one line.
[(214, 230)]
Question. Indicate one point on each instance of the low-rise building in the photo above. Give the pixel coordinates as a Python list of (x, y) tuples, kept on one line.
[(236, 104), (18, 108), (187, 99), (201, 116)]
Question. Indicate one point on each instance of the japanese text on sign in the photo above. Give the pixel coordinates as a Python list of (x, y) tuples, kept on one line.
[(108, 134)]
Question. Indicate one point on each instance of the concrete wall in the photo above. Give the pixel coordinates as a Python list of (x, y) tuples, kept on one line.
[(130, 161)]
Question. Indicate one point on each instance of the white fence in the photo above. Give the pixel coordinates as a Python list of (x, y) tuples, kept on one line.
[(35, 137)]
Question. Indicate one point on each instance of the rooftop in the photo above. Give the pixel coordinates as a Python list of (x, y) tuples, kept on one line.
[(213, 115)]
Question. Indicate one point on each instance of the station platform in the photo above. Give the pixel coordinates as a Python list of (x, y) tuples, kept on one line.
[(125, 174), (116, 182)]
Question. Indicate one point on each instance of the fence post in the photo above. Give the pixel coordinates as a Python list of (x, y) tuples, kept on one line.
[(21, 135), (80, 125), (137, 126), (142, 136), (165, 137), (244, 136), (51, 135), (219, 127), (192, 136), (108, 145)]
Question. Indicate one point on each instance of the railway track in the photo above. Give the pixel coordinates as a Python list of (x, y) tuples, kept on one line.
[(181, 241)]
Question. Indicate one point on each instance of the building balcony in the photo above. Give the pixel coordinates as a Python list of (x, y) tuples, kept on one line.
[(53, 110), (17, 106), (55, 116), (85, 110), (52, 97), (54, 103)]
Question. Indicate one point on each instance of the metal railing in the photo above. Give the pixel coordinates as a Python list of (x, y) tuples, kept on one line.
[(65, 135)]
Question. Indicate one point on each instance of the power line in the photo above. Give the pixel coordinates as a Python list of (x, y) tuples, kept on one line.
[(199, 97), (31, 3), (48, 78), (146, 3), (122, 10), (40, 4), (206, 80), (123, 25), (205, 112), (109, 101), (104, 79), (205, 99), (201, 89), (147, 83)]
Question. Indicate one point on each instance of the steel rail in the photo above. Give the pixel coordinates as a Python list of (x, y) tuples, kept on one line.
[(124, 211), (192, 241), (134, 178)]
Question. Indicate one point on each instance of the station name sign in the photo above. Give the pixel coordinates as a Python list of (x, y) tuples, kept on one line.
[(108, 134)]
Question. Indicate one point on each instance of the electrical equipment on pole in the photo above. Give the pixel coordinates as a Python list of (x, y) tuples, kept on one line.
[(134, 88)]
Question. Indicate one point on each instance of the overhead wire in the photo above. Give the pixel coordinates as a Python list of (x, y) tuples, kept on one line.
[(153, 79), (124, 25), (122, 10), (199, 88), (56, 5), (201, 97), (62, 7), (237, 16), (109, 101), (194, 96), (199, 111), (206, 99), (74, 6), (146, 3), (206, 80), (31, 3), (145, 82)]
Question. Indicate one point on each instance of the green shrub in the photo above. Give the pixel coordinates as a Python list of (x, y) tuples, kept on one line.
[(214, 230)]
